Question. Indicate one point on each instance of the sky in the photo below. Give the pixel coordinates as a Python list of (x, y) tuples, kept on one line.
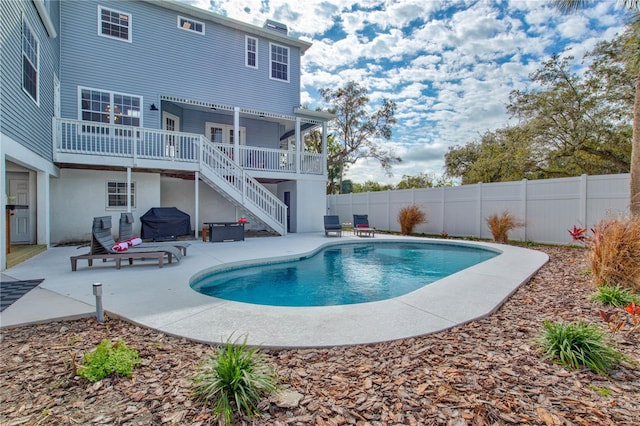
[(448, 65)]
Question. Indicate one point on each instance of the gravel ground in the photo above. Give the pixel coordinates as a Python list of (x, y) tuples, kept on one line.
[(486, 372)]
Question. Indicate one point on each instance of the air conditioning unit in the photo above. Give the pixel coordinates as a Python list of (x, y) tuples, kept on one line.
[(276, 26)]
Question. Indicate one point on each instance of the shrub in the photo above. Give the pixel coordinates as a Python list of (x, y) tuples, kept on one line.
[(614, 296), (500, 225), (409, 217), (576, 345), (234, 379), (614, 252), (108, 358)]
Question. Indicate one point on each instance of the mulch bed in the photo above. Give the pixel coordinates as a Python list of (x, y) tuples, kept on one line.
[(485, 372)]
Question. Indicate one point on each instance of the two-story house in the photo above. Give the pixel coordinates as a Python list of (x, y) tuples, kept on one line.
[(121, 106)]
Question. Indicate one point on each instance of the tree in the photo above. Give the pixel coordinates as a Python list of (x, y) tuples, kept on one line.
[(578, 124), (568, 125), (501, 155), (358, 130), (632, 55), (423, 180), (371, 186)]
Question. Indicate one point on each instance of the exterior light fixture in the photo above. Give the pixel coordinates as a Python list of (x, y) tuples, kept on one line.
[(154, 107)]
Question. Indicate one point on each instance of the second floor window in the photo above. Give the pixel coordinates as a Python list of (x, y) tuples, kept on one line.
[(279, 62), (30, 56), (110, 107), (252, 52), (114, 24), (190, 25)]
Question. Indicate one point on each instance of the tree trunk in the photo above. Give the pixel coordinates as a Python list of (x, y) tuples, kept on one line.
[(635, 154)]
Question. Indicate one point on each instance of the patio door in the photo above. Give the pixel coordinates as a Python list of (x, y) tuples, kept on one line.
[(171, 123), (223, 134)]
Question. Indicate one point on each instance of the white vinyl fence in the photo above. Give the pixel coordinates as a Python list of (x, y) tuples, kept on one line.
[(548, 207)]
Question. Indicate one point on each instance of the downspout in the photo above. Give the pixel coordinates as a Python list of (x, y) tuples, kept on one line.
[(197, 203), (324, 149), (298, 147)]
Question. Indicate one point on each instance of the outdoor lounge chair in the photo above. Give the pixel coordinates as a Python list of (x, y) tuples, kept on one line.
[(125, 233), (361, 226), (102, 244), (332, 224)]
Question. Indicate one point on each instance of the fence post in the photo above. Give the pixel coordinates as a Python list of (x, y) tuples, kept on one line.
[(582, 207), (479, 207), (523, 206), (442, 208), (389, 210)]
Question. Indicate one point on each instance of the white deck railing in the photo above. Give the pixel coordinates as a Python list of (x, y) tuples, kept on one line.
[(216, 160), (90, 138)]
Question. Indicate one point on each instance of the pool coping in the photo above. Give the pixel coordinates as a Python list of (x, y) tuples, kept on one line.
[(162, 298)]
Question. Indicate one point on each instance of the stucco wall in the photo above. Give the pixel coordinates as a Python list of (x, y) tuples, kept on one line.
[(80, 195)]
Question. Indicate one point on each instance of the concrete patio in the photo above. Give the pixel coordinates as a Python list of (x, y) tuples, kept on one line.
[(161, 298)]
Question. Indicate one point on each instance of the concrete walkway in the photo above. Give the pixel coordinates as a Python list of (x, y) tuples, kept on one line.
[(161, 298)]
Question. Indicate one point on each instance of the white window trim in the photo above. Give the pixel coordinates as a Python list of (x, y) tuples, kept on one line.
[(288, 63), (133, 195), (37, 67), (130, 39), (190, 29), (246, 52), (111, 93)]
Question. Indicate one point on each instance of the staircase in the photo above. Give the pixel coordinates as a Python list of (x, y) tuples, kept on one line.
[(220, 172)]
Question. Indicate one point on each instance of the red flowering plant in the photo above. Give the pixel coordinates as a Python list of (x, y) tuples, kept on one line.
[(616, 323), (578, 234)]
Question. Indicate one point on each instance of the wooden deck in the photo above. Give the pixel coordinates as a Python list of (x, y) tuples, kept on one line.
[(21, 252)]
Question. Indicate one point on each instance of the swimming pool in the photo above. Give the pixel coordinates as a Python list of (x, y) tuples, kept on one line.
[(342, 275)]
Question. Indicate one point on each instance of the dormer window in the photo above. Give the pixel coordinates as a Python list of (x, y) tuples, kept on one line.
[(114, 24), (189, 24)]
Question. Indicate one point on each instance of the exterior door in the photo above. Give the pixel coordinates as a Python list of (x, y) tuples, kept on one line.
[(171, 123), (20, 226)]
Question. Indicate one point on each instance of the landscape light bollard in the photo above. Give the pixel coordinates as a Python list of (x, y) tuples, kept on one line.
[(97, 292)]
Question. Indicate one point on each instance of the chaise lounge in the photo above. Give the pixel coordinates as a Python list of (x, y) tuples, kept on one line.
[(361, 226), (102, 244), (332, 225)]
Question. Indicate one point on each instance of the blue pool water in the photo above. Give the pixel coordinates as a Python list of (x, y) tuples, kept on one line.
[(343, 274)]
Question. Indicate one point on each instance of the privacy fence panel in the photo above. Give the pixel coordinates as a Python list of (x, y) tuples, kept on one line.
[(548, 208)]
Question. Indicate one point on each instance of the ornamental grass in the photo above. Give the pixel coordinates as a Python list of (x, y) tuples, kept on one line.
[(576, 345), (501, 224), (614, 255), (409, 217), (234, 380)]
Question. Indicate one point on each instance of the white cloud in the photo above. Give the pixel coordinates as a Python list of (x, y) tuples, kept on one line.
[(449, 66)]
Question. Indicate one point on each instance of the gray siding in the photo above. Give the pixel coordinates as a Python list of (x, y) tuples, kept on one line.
[(22, 120), (165, 60)]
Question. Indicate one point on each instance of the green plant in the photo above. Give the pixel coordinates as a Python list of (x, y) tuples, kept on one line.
[(578, 344), (409, 217), (108, 358), (614, 296), (234, 379), (601, 391), (501, 224)]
